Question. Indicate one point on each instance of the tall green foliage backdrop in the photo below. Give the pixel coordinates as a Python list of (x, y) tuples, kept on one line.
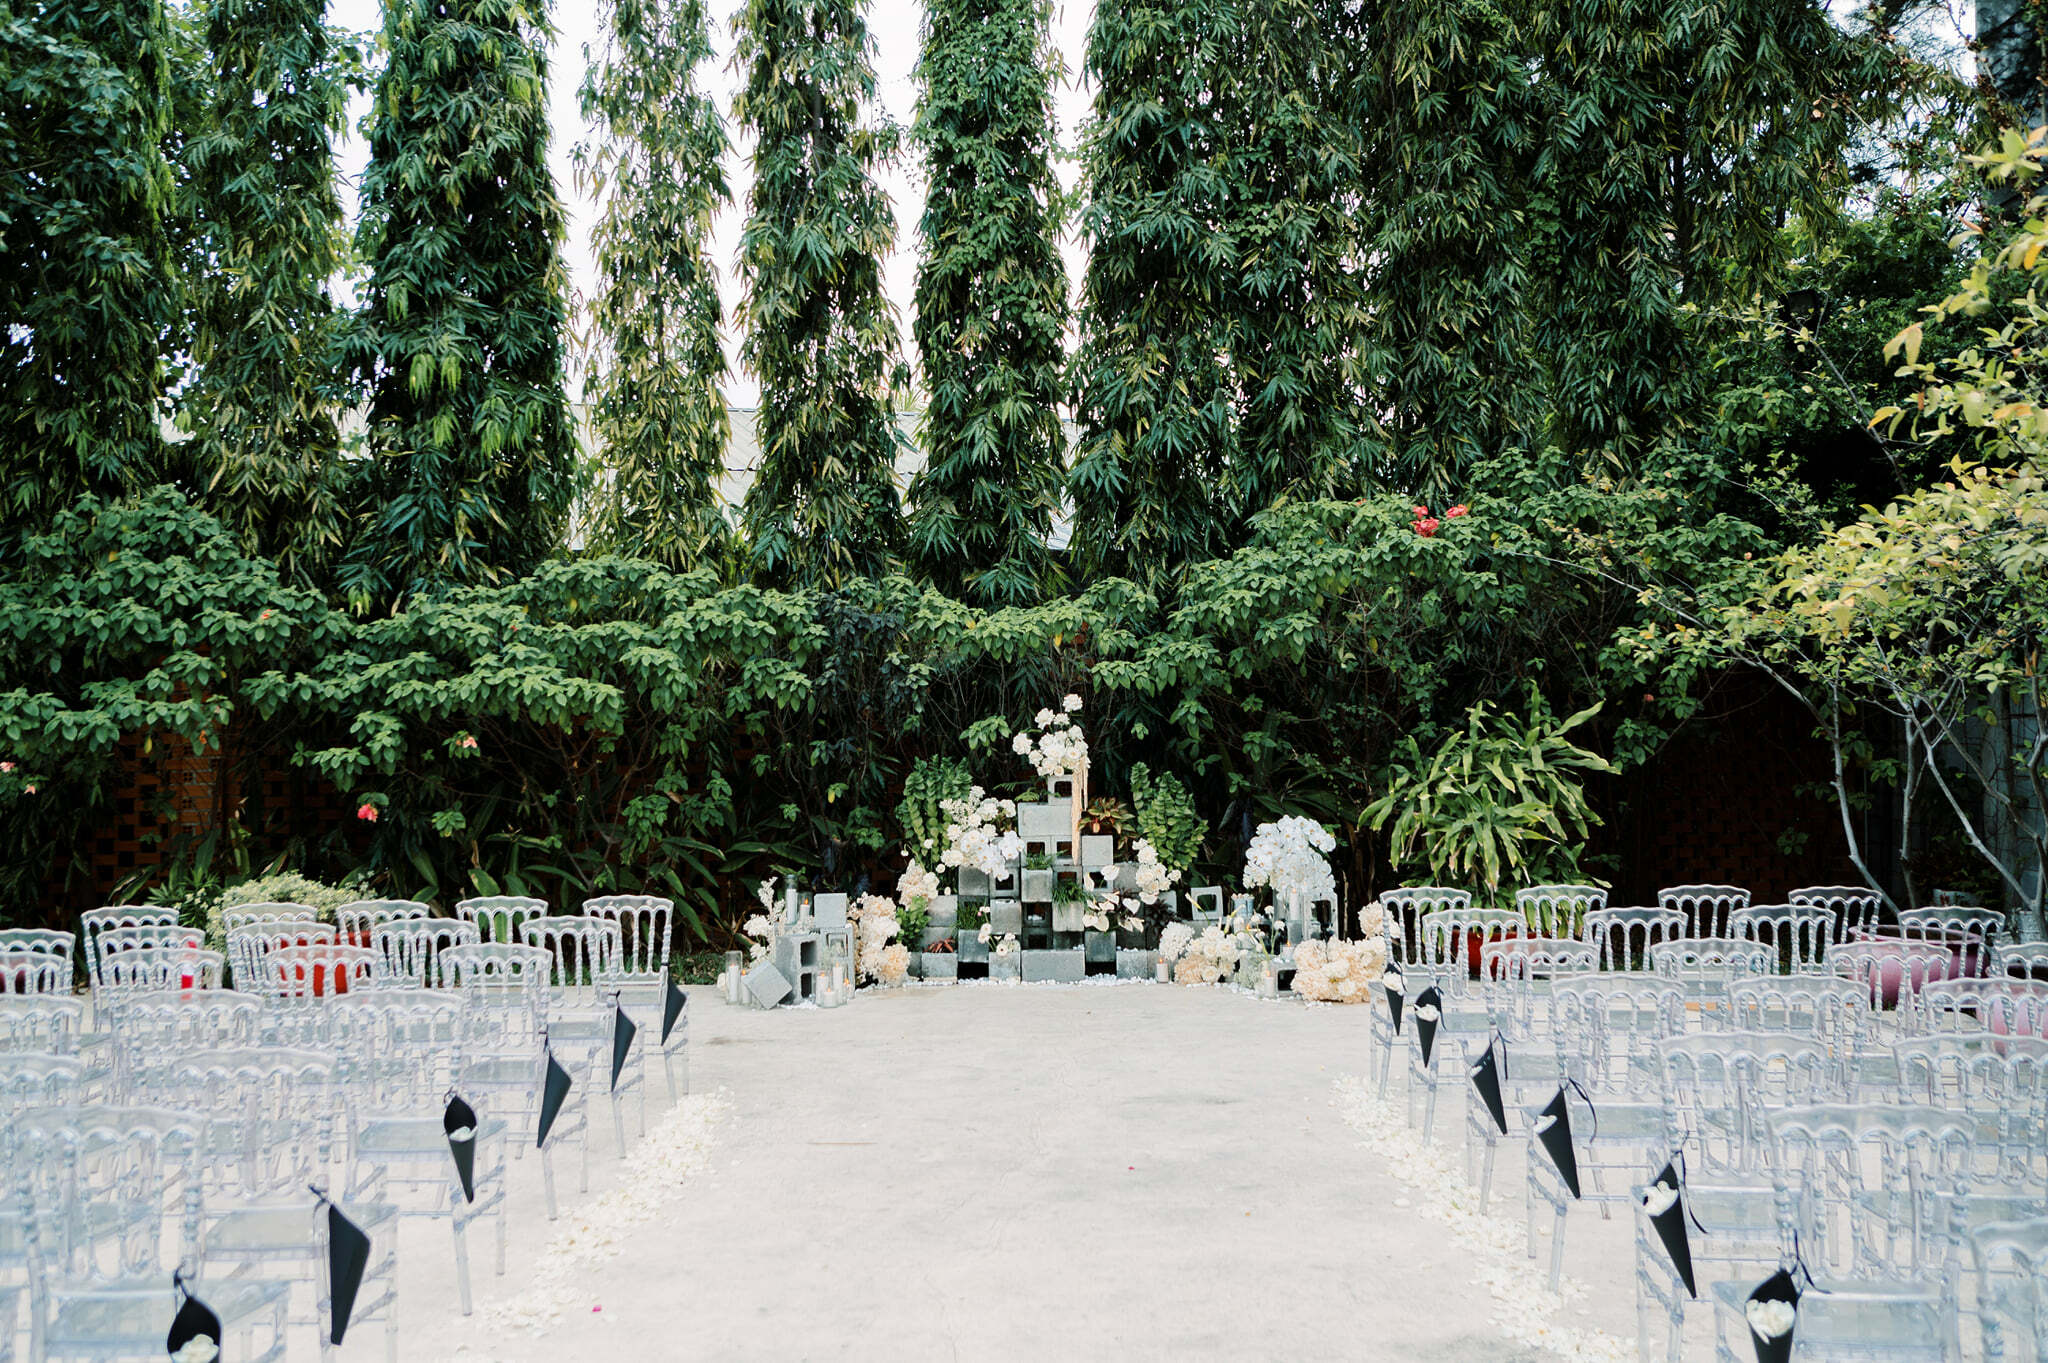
[(1419, 386)]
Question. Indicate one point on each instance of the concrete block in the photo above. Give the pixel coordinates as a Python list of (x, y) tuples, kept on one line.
[(766, 985), (1062, 967)]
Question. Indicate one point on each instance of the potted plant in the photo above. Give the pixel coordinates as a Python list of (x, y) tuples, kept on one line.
[(1105, 815), (1038, 878), (1070, 901)]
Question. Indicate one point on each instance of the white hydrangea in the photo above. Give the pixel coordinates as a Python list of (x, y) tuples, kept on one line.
[(1209, 958), (917, 884), (976, 836), (1291, 857), (1153, 878), (1059, 750), (1174, 939)]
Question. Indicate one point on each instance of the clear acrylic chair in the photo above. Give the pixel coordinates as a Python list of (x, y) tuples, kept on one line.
[(1835, 1012), (1865, 1195), (92, 1187), (276, 1127), (1708, 966), (1452, 941), (251, 941), (402, 1056), (2022, 960), (1624, 936), (498, 916), (2000, 1081), (1558, 910), (45, 942), (646, 931), (33, 972), (151, 1029), (1515, 979), (276, 911), (1855, 907), (1971, 933), (94, 922), (1798, 936), (409, 949), (2010, 1259), (359, 919), (1706, 907), (28, 1081), (2008, 1006), (584, 1007), (302, 976), (41, 1024), (1892, 970), (1405, 910), (505, 991), (153, 968)]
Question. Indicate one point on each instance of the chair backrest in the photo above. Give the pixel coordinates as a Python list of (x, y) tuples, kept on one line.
[(1972, 933), (1406, 908), (585, 958), (1719, 1086), (1869, 1190), (645, 926), (498, 916), (1706, 907), (281, 911), (409, 949), (1798, 935), (2008, 1007), (152, 1028), (45, 1024), (1707, 966), (274, 1117), (125, 1164), (506, 988), (1624, 936), (360, 918), (2012, 1318), (1452, 940), (28, 971), (48, 941), (1855, 907), (152, 968), (1606, 1027), (400, 1050), (111, 940), (1515, 975), (1834, 1011), (1891, 969), (2002, 1080), (40, 1081), (1558, 910), (2023, 960), (250, 943), (93, 922), (303, 975)]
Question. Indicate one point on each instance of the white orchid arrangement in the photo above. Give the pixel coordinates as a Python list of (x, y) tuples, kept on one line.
[(1338, 972), (1058, 749), (980, 833), (1291, 857)]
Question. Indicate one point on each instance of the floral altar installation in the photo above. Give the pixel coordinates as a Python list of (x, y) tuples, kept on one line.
[(1059, 889)]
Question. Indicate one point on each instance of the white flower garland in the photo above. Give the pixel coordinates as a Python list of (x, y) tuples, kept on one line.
[(1491, 1249)]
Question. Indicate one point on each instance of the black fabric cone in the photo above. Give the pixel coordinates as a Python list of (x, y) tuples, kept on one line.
[(1557, 1141), (195, 1319), (672, 1005), (1425, 1027), (623, 1032), (1394, 1008), (1670, 1226), (554, 1091), (1778, 1287), (1486, 1079), (454, 1118), (348, 1254)]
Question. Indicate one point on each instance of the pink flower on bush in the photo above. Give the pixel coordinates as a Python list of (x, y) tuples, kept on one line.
[(367, 812), (469, 742), (28, 790), (1426, 526), (6, 766), (1459, 510)]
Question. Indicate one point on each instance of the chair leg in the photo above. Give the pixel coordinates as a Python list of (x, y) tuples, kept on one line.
[(1557, 1249), (1486, 1172), (547, 1180), (462, 1266)]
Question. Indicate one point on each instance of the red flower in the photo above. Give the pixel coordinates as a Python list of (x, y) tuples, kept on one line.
[(1459, 510), (28, 790), (1426, 526), (367, 813), (1421, 513), (468, 742)]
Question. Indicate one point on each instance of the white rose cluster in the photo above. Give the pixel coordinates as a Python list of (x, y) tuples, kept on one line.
[(1059, 750), (976, 836), (1291, 856), (1209, 958), (1338, 972)]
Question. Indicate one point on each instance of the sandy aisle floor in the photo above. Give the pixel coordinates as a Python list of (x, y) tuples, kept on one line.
[(992, 1172)]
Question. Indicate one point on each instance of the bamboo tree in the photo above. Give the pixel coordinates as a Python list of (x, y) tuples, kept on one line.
[(819, 334), (1153, 386), (655, 396), (262, 407), (991, 301), (460, 339), (86, 294)]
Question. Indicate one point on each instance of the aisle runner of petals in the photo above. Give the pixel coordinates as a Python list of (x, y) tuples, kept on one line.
[(1496, 1247), (675, 1149)]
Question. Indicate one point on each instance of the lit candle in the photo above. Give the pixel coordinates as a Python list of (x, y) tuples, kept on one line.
[(1163, 973)]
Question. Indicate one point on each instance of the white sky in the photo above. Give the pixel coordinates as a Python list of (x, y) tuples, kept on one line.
[(894, 25)]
